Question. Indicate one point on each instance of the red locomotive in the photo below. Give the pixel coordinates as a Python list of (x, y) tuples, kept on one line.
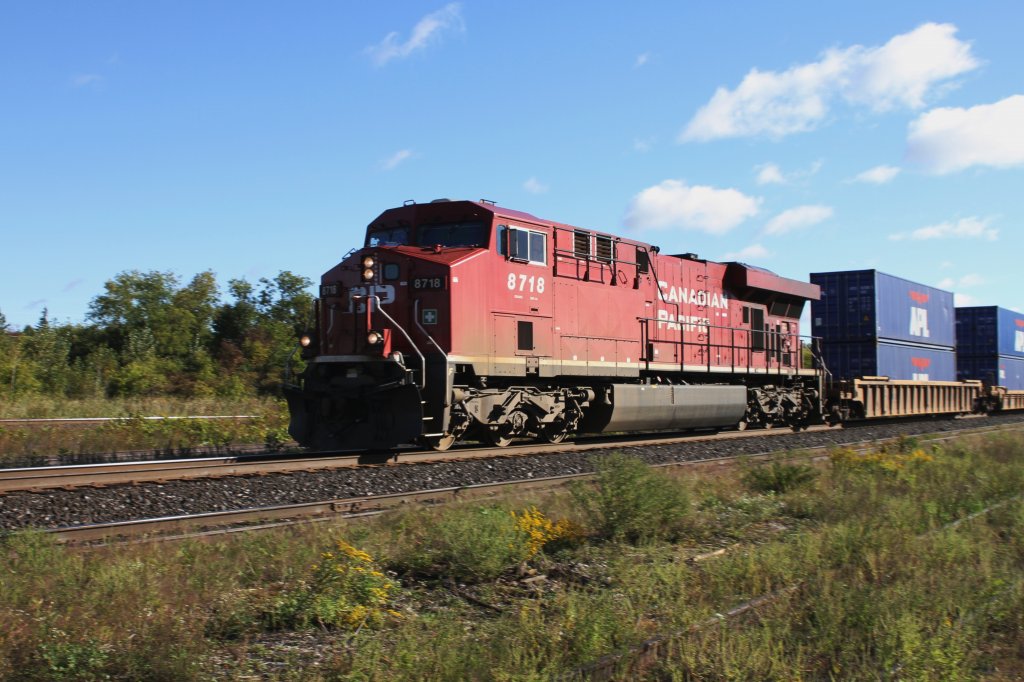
[(464, 319)]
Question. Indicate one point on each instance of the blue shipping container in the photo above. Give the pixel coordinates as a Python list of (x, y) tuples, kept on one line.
[(993, 370), (865, 305), (893, 360), (989, 330)]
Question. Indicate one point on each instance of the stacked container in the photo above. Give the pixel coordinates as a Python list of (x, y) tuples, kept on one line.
[(990, 346), (874, 324)]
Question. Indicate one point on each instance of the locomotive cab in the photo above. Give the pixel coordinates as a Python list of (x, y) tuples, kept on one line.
[(377, 363)]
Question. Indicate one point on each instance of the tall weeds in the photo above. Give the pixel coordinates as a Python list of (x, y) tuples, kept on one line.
[(869, 581), (628, 501)]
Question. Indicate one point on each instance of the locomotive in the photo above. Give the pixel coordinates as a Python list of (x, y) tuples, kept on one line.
[(463, 319)]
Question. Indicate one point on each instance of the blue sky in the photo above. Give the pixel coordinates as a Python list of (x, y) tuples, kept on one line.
[(249, 138)]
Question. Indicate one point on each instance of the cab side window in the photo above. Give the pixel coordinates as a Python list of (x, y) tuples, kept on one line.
[(527, 246)]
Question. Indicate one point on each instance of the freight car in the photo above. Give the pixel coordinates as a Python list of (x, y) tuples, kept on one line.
[(895, 348), (463, 319)]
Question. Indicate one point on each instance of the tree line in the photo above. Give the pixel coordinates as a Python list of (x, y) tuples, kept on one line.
[(150, 334)]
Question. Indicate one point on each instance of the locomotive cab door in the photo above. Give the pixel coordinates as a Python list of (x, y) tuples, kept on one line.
[(755, 318)]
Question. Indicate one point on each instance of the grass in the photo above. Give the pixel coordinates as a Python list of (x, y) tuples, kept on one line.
[(631, 502), (23, 445), (873, 581), (778, 477), (46, 407)]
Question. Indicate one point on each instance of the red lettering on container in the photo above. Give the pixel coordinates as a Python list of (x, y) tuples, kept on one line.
[(919, 297)]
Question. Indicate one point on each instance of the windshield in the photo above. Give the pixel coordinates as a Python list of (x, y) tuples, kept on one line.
[(454, 234), (395, 236)]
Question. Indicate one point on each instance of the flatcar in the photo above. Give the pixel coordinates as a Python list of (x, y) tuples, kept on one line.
[(463, 319)]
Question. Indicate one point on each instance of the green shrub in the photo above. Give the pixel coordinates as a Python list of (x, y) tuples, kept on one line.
[(345, 591), (468, 543), (779, 478), (630, 501), (64, 659)]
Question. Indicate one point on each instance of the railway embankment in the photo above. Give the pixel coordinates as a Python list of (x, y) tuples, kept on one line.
[(901, 561)]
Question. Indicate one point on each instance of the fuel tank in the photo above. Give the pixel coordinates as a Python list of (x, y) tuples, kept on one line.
[(646, 407)]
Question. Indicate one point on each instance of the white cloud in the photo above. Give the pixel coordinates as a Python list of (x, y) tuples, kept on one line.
[(952, 139), (798, 218), (966, 282), (674, 204), (879, 175), (83, 80), (641, 59), (752, 252), (535, 186), (903, 72), (643, 144), (965, 228), (396, 159), (962, 300), (971, 280), (429, 29), (769, 174)]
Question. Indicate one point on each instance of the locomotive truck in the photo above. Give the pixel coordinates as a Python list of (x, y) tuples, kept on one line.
[(463, 319)]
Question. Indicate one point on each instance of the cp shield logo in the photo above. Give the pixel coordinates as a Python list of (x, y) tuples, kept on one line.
[(385, 292)]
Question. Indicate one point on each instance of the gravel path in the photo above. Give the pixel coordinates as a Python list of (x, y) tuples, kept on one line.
[(60, 508)]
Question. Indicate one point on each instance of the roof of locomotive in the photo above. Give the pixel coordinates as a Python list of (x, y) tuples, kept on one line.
[(442, 208), (741, 275)]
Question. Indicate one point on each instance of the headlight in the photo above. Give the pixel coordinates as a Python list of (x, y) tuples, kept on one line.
[(373, 338), (305, 340), (368, 262), (367, 274)]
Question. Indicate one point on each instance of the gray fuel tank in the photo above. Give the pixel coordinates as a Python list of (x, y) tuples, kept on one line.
[(645, 407)]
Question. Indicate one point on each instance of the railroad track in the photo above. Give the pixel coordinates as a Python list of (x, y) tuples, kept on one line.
[(259, 464), (263, 518), (78, 475), (159, 471), (90, 421), (64, 453)]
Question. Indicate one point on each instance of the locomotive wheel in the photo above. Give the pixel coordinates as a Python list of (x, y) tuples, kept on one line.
[(442, 443), (498, 438), (742, 426), (769, 425), (553, 434)]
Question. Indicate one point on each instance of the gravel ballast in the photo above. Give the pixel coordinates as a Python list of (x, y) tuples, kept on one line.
[(82, 506)]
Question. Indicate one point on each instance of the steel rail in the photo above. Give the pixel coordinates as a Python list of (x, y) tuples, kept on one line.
[(79, 475), (112, 473), (68, 421), (263, 518), (160, 471)]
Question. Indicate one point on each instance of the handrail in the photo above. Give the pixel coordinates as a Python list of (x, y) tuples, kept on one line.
[(380, 309), (416, 319), (288, 366), (706, 345)]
